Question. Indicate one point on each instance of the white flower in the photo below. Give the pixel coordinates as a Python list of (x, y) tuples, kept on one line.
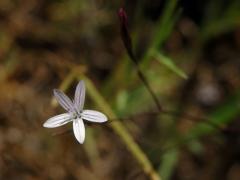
[(74, 113)]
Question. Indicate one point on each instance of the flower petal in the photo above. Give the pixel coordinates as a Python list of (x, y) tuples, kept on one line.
[(58, 120), (79, 96), (63, 100), (93, 116), (79, 130)]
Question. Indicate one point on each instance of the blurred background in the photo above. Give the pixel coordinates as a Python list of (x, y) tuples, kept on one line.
[(189, 53)]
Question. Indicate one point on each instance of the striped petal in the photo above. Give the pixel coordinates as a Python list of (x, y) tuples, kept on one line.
[(93, 116), (79, 130), (63, 100), (79, 96), (58, 120)]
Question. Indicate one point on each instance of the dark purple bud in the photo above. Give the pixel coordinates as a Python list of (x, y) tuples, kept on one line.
[(124, 32), (123, 17)]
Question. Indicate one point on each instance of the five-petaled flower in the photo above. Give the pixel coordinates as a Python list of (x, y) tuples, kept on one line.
[(75, 112)]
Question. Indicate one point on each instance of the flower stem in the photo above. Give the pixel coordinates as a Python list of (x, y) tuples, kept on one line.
[(121, 131)]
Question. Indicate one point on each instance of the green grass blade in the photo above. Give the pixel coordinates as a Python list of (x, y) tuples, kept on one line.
[(168, 62), (220, 117), (166, 24), (169, 162)]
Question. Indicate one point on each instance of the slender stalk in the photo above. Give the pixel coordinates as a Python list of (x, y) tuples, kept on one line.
[(146, 84), (188, 117), (127, 41), (121, 131)]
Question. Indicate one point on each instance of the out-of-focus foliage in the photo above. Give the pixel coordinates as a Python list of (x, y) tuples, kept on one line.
[(189, 53)]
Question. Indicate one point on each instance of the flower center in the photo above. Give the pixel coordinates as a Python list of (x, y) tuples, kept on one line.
[(76, 114)]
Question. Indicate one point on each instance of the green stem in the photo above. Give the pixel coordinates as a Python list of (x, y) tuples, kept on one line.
[(121, 131)]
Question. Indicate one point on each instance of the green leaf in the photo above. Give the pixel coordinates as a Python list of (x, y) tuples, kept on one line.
[(169, 162), (166, 23), (163, 29), (168, 62)]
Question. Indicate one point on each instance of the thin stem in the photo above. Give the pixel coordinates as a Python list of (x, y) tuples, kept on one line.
[(147, 85), (189, 117), (122, 132), (127, 41)]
